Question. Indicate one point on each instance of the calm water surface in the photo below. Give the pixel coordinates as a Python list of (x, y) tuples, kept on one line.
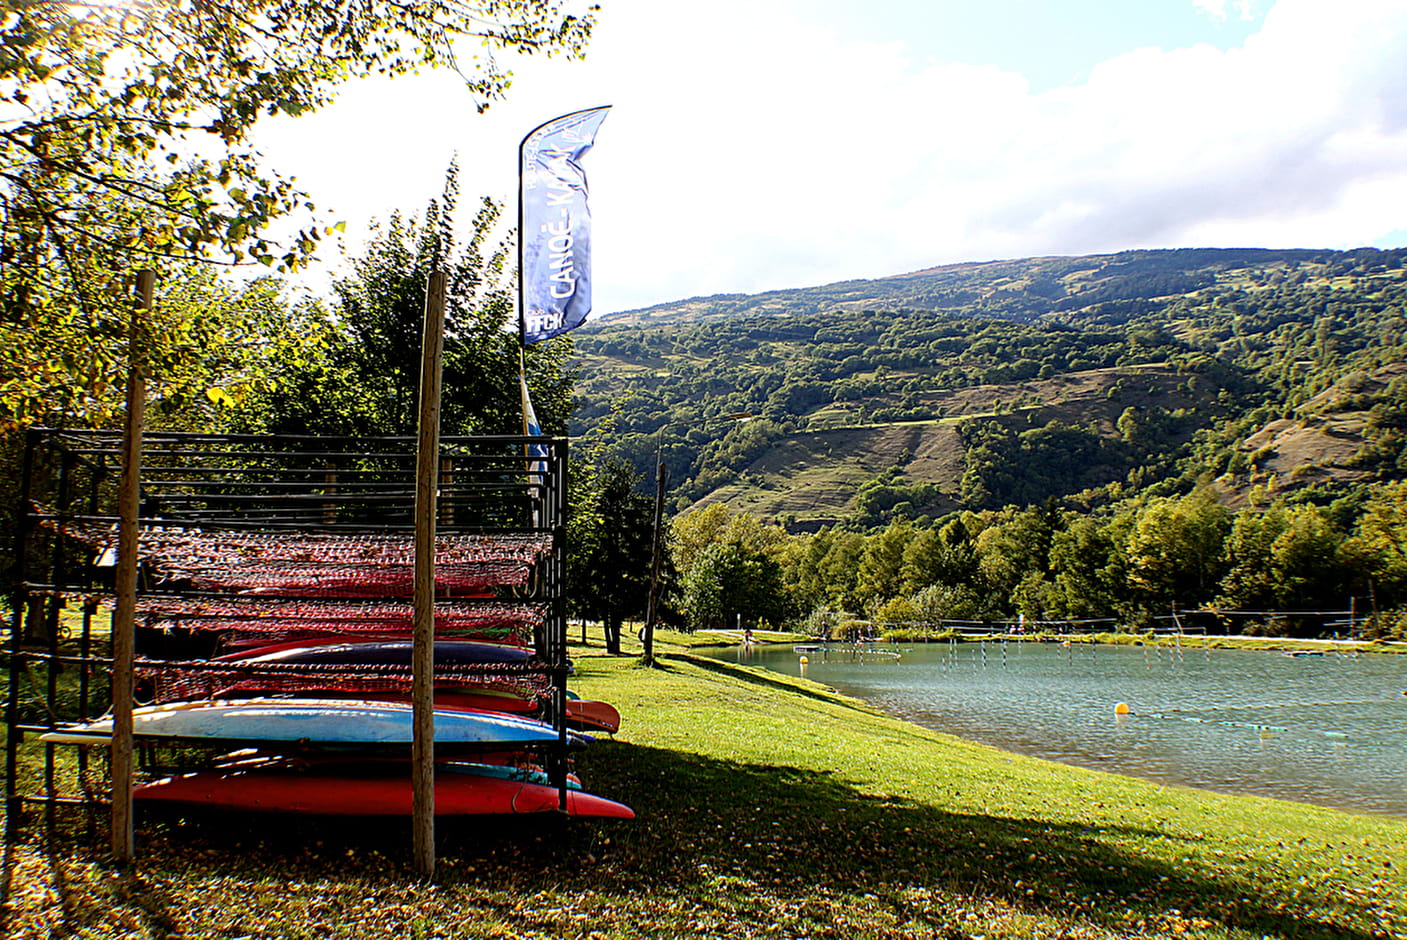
[(1328, 729)]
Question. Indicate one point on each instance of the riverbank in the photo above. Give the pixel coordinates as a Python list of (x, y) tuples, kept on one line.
[(1165, 638), (768, 806)]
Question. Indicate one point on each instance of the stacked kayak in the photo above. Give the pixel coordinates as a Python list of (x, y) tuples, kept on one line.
[(582, 715), (323, 701), (376, 790), (280, 580), (323, 723)]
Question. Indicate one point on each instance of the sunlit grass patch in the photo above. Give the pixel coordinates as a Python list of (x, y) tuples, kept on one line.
[(768, 806)]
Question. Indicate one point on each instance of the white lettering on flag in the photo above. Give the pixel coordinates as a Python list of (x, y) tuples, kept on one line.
[(554, 265)]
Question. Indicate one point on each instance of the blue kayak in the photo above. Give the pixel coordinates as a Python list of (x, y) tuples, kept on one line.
[(310, 721)]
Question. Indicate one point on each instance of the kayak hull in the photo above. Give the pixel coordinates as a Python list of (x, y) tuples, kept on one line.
[(288, 790), (310, 722), (382, 652)]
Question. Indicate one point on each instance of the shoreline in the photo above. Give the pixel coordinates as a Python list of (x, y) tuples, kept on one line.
[(1213, 641), (1016, 745)]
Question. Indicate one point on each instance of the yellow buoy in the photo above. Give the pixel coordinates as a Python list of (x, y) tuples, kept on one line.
[(1122, 708), (804, 660)]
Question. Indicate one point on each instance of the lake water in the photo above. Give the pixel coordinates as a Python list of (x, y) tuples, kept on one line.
[(1328, 729)]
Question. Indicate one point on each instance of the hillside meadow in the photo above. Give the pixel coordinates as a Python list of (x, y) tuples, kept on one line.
[(767, 807)]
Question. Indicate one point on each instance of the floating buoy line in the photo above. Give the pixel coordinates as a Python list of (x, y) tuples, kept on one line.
[(1122, 709)]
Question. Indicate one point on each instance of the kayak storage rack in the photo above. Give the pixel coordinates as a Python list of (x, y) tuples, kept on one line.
[(256, 542)]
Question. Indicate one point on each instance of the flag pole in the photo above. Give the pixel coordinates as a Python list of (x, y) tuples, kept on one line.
[(523, 384)]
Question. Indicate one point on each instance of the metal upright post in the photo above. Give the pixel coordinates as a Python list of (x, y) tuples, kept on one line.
[(18, 602), (423, 638)]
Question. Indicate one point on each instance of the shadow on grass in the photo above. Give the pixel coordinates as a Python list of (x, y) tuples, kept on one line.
[(701, 819), (756, 675), (788, 831), (795, 829)]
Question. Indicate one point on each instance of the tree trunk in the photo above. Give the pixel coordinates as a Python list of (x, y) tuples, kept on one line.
[(612, 623)]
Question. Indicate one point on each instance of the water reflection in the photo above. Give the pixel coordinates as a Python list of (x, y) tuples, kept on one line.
[(1328, 729)]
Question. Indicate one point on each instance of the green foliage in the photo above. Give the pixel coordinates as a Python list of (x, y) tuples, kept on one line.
[(204, 347), (374, 327), (1203, 347), (1174, 549), (126, 146), (1148, 558), (730, 585), (611, 546)]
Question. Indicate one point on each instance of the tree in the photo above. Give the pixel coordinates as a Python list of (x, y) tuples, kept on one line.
[(691, 533), (1174, 550), (880, 575), (1087, 578), (1250, 579), (610, 548), (1312, 569), (125, 145), (374, 331), (1381, 539), (1012, 551), (206, 345), (943, 555), (732, 584)]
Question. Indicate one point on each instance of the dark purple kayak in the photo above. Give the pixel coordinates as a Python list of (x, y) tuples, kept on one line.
[(389, 653)]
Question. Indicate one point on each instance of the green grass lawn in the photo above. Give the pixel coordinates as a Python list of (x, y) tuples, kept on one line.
[(768, 807)]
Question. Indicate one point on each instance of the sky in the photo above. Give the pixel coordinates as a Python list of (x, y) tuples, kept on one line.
[(764, 144)]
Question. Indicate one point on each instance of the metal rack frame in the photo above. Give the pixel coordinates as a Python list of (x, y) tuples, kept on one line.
[(497, 487)]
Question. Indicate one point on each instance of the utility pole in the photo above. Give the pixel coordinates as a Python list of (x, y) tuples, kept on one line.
[(656, 554)]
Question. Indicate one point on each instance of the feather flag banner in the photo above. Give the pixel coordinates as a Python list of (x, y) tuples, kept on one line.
[(554, 226)]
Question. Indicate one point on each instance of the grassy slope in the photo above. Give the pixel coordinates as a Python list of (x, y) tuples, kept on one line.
[(767, 807)]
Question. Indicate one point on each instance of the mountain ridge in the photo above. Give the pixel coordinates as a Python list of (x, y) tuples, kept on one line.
[(1104, 374)]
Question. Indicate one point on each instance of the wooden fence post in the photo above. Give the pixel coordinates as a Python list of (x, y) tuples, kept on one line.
[(124, 616), (423, 643)]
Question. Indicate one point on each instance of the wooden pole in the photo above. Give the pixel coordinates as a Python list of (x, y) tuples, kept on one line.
[(124, 616), (423, 643), (656, 553)]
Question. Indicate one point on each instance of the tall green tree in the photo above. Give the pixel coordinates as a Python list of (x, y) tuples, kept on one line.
[(1084, 563), (1174, 550), (611, 547), (881, 572), (1249, 582), (1381, 539), (1312, 566), (731, 585), (367, 381)]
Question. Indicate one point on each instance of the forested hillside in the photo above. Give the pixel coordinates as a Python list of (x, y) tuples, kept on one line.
[(977, 386), (1105, 436)]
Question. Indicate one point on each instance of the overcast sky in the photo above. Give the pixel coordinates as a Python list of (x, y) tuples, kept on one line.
[(761, 144)]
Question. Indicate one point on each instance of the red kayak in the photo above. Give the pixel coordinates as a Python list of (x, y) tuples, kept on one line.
[(586, 715), (336, 792), (382, 652), (582, 714)]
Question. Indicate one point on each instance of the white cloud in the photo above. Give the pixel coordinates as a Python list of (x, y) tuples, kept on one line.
[(752, 149), (1218, 9)]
